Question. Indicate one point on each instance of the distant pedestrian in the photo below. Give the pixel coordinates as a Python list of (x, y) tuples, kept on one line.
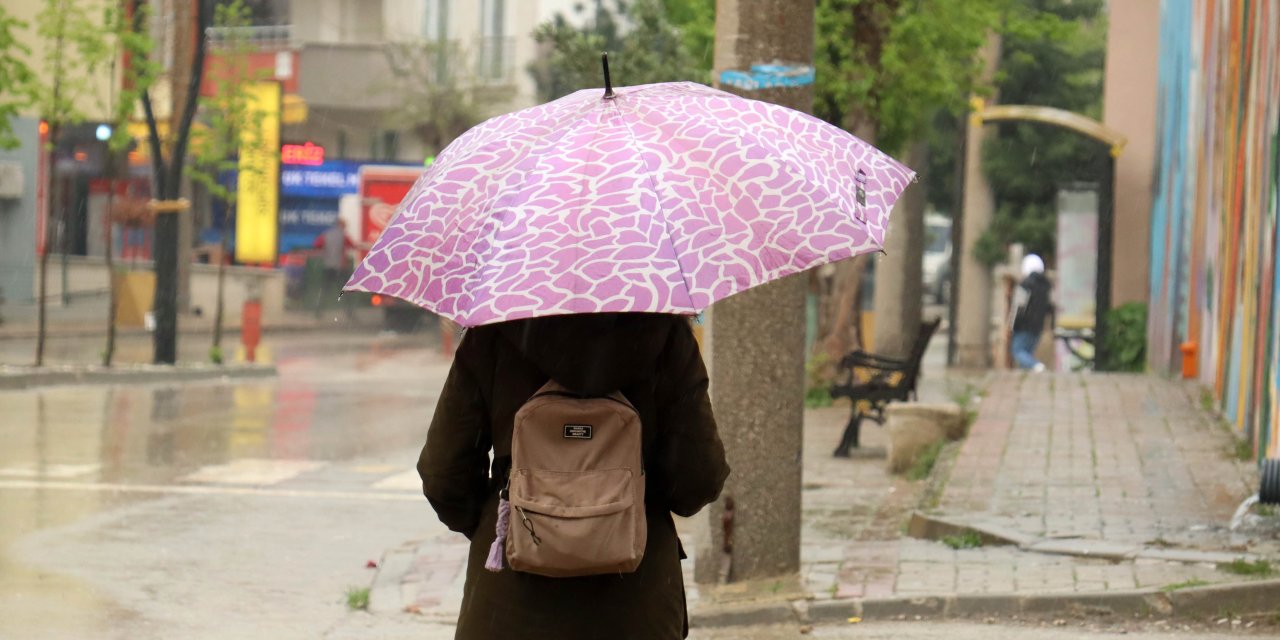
[(653, 360), (1032, 305), (335, 253)]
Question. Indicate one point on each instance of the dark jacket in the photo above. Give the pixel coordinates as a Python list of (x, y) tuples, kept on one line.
[(1035, 304), (655, 362)]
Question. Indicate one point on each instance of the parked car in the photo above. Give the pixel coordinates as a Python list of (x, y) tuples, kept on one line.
[(937, 258)]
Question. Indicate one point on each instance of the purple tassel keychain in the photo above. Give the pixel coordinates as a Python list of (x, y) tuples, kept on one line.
[(497, 549)]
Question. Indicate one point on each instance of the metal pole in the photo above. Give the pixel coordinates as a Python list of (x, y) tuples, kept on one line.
[(957, 242), (1106, 222)]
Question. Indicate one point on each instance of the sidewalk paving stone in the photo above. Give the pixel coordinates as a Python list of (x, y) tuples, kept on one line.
[(1086, 458)]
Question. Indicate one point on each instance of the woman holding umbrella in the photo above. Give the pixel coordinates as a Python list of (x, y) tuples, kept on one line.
[(576, 239)]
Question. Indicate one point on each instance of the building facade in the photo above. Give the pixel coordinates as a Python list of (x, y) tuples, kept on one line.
[(367, 68)]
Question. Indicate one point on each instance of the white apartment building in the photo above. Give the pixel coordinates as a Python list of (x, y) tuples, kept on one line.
[(352, 77)]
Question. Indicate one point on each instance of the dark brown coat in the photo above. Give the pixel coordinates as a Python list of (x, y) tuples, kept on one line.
[(655, 362)]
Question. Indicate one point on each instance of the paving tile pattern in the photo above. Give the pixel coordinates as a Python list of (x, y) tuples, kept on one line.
[(1117, 460)]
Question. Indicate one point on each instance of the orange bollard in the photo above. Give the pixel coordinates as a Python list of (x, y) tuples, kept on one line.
[(251, 328), (1190, 360)]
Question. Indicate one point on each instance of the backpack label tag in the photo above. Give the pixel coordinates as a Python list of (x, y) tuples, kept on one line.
[(577, 431)]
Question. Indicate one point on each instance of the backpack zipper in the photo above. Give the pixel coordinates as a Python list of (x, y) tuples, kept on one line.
[(524, 518)]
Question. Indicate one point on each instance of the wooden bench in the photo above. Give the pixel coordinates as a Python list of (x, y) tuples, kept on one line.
[(871, 382)]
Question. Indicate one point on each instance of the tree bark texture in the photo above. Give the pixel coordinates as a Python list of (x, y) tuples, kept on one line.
[(899, 292)]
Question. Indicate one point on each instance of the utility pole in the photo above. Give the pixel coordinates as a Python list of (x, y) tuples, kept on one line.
[(756, 343)]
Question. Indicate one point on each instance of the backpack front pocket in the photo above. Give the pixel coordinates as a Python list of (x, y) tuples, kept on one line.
[(575, 523)]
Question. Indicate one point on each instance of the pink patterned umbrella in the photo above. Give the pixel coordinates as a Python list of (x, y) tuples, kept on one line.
[(659, 198)]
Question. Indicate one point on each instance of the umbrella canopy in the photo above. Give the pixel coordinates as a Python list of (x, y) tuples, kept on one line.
[(657, 198)]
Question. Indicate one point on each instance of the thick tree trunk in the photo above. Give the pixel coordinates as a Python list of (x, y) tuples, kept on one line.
[(840, 303), (168, 181), (899, 293), (756, 346), (840, 325)]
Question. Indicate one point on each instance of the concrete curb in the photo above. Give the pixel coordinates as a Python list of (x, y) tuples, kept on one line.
[(935, 527), (385, 593), (18, 378), (1258, 596), (271, 329)]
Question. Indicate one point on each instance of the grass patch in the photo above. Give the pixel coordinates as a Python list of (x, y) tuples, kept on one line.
[(1267, 510), (1160, 542), (924, 463), (817, 398), (964, 398), (966, 540), (1206, 400), (358, 598), (1185, 584), (1258, 568), (1243, 450)]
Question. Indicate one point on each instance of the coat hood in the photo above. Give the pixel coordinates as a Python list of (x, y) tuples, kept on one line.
[(593, 353)]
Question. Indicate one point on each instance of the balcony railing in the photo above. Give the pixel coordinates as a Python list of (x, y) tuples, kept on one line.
[(263, 37), (495, 60)]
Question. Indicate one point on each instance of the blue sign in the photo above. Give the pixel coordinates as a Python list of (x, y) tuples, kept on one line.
[(767, 76), (309, 197), (330, 180)]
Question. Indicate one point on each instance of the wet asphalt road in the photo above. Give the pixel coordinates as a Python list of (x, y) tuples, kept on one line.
[(223, 510)]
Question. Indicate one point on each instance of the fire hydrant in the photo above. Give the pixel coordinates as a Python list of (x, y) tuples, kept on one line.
[(1190, 359), (251, 328)]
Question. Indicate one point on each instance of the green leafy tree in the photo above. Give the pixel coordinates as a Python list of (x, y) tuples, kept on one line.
[(14, 74), (695, 20), (435, 103), (885, 69), (77, 52), (1052, 56), (650, 49), (127, 26), (888, 71), (231, 126)]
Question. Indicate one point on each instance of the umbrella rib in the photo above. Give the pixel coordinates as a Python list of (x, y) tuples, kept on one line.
[(666, 223), (494, 204)]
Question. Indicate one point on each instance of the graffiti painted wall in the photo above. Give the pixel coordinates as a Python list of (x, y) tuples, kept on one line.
[(1214, 220)]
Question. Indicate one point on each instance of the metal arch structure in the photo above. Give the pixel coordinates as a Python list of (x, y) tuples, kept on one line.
[(981, 114), (1087, 127)]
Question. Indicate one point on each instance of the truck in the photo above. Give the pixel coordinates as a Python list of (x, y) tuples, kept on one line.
[(382, 188)]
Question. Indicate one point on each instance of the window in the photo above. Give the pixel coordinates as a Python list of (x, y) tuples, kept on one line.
[(494, 45), (435, 20)]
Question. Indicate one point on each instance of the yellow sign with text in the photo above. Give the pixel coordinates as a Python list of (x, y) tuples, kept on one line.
[(258, 179)]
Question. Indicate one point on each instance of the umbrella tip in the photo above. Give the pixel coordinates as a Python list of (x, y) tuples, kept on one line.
[(608, 82)]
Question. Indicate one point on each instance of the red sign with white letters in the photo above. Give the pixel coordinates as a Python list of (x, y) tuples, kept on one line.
[(308, 154)]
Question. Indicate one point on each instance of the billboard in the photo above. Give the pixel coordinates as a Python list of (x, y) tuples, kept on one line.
[(258, 183)]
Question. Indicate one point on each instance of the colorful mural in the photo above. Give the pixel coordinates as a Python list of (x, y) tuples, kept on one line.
[(1214, 221)]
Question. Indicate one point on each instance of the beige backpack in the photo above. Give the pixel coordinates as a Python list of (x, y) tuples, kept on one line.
[(576, 488)]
